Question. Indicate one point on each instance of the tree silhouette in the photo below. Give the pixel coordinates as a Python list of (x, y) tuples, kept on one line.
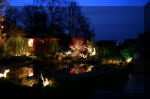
[(34, 21), (51, 19), (78, 25)]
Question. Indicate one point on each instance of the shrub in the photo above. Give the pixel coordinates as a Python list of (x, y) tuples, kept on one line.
[(78, 45), (127, 53), (91, 48), (54, 47), (16, 46)]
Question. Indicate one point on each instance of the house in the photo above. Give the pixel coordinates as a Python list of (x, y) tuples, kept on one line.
[(40, 44)]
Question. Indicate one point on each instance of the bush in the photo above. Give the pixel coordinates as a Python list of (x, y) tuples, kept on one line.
[(127, 53), (16, 46), (54, 47)]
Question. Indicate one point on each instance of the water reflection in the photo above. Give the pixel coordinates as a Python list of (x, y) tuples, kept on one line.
[(4, 75), (29, 82), (20, 73), (134, 84), (79, 68), (27, 76)]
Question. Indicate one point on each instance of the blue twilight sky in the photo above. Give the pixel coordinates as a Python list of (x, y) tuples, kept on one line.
[(92, 2), (111, 19)]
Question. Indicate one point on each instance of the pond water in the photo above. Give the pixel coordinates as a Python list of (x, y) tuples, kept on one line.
[(134, 84), (30, 75)]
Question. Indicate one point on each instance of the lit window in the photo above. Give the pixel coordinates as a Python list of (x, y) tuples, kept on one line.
[(30, 42)]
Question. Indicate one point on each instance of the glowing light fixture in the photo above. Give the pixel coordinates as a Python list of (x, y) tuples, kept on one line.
[(4, 74), (83, 56), (129, 60), (30, 42), (30, 74), (45, 81), (92, 51), (90, 68), (68, 53)]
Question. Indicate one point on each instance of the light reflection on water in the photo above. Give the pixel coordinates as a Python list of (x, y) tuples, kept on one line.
[(134, 84), (26, 76)]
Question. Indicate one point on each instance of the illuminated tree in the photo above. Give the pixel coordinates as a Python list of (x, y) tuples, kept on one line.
[(55, 13), (2, 5), (78, 24), (16, 44), (78, 45), (2, 35)]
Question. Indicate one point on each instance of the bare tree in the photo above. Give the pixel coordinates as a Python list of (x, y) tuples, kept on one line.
[(78, 24)]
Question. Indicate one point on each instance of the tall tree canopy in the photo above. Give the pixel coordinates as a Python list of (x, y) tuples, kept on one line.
[(57, 18)]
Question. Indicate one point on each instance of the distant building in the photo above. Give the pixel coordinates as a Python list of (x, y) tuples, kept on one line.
[(40, 44), (130, 42)]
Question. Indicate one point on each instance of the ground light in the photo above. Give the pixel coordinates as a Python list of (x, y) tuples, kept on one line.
[(30, 42), (129, 60), (4, 75), (46, 81)]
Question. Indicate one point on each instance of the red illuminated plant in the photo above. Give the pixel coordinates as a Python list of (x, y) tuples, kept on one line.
[(78, 45)]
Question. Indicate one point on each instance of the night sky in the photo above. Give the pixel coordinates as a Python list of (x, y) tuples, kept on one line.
[(111, 19)]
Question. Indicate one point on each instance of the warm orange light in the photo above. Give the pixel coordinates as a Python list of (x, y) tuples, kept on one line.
[(30, 74), (30, 42), (45, 81), (129, 60), (92, 51), (90, 68), (68, 53)]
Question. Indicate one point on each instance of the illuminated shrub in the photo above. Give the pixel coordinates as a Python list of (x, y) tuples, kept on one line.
[(54, 47), (91, 48), (2, 36), (78, 45), (2, 41), (16, 46), (128, 54)]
